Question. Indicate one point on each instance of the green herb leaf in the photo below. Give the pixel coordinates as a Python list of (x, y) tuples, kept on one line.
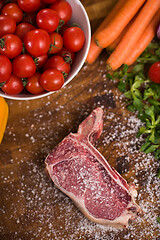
[(137, 103), (125, 68), (121, 86), (143, 97), (109, 76), (144, 146), (137, 83), (149, 92), (151, 148), (138, 68), (157, 156), (128, 94)]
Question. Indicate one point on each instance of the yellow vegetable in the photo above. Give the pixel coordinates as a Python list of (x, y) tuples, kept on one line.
[(3, 116)]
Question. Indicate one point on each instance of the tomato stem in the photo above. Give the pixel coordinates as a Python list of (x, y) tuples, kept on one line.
[(2, 84), (74, 25), (61, 23), (23, 48), (36, 61), (53, 45), (67, 57), (2, 43), (24, 81), (65, 75)]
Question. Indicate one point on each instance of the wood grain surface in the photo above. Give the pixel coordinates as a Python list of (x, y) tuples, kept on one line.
[(30, 205)]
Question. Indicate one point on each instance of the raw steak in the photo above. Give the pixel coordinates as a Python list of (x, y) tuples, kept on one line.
[(82, 173)]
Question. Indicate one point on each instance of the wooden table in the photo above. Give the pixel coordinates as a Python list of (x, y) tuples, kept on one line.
[(30, 205)]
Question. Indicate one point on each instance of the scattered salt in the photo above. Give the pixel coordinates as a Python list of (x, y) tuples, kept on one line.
[(54, 214)]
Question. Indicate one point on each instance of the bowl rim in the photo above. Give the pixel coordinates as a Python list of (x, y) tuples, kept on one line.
[(32, 97)]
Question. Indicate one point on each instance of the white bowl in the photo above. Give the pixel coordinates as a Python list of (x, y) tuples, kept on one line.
[(80, 17)]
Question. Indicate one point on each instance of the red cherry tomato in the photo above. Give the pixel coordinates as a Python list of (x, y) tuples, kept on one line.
[(5, 68), (8, 25), (73, 39), (52, 80), (23, 28), (37, 42), (10, 45), (13, 85), (154, 72), (29, 5), (13, 10), (33, 85), (56, 42), (23, 66), (63, 9), (41, 60), (58, 63), (67, 55), (48, 20)]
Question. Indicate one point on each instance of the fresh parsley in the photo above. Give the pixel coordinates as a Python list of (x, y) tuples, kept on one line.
[(143, 97)]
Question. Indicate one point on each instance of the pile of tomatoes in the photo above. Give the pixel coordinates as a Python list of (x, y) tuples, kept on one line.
[(37, 45)]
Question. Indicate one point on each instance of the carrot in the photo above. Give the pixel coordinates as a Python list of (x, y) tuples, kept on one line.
[(115, 43), (94, 50), (144, 40), (116, 26), (126, 46)]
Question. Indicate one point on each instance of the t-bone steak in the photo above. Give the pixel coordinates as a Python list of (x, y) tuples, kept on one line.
[(79, 170)]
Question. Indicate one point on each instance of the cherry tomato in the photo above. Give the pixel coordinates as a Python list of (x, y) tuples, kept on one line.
[(23, 28), (23, 66), (67, 55), (37, 42), (154, 72), (48, 20), (8, 25), (13, 85), (5, 68), (29, 5), (13, 10), (52, 80), (56, 42), (58, 63), (49, 1), (10, 45), (63, 9), (73, 39), (33, 84), (41, 60)]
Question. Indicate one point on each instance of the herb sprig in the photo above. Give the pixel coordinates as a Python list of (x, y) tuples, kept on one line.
[(143, 97)]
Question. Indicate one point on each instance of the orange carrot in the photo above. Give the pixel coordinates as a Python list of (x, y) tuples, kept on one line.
[(94, 50), (114, 44), (116, 26), (144, 40), (126, 46)]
